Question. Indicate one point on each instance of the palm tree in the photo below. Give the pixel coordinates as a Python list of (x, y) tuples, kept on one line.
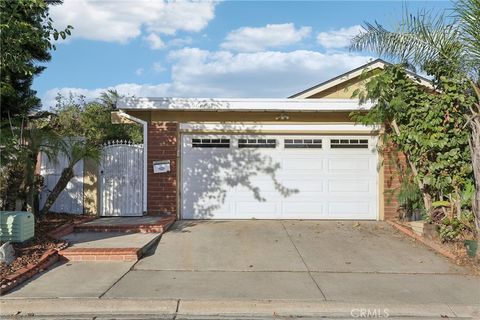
[(36, 140), (110, 98), (75, 150), (22, 141), (453, 41)]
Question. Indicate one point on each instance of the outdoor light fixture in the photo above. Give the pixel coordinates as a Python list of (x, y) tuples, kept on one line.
[(282, 117)]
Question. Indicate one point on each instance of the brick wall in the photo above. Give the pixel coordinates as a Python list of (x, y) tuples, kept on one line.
[(391, 181), (162, 187)]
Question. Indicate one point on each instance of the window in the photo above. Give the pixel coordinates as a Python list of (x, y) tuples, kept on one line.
[(257, 143), (349, 143), (210, 143), (303, 143)]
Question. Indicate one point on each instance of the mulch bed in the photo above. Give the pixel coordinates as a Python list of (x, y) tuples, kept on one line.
[(461, 258), (31, 252)]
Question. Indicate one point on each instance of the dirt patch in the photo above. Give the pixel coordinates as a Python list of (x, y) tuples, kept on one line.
[(454, 249), (30, 252), (458, 249)]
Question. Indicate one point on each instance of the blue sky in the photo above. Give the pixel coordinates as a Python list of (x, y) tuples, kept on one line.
[(204, 49)]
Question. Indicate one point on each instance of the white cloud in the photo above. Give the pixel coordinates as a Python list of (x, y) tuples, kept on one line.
[(339, 38), (139, 71), (250, 39), (201, 73), (120, 21), (154, 41), (158, 67), (179, 42)]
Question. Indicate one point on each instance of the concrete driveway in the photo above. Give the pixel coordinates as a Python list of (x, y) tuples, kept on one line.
[(257, 266), (326, 260)]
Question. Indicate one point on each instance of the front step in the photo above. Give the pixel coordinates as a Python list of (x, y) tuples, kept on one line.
[(108, 246), (128, 225), (100, 254)]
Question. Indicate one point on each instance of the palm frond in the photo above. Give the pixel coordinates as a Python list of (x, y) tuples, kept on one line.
[(469, 19), (417, 39)]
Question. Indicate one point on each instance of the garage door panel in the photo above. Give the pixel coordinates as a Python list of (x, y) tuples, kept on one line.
[(349, 208), (207, 203), (244, 193), (304, 185), (302, 164), (302, 208), (349, 185), (344, 165), (254, 207), (321, 183)]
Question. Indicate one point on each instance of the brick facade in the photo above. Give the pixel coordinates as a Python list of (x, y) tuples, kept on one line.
[(391, 181), (162, 187)]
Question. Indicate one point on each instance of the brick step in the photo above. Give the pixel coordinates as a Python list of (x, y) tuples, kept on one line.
[(159, 226), (101, 254), (95, 252)]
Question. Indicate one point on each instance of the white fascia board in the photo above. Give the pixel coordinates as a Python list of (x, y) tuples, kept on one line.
[(252, 127), (222, 105)]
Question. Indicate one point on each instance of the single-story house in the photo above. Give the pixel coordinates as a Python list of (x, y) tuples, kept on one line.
[(297, 158)]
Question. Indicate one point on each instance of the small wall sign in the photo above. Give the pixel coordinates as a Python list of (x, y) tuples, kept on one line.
[(161, 166)]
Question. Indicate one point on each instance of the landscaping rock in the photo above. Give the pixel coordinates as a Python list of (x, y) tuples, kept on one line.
[(7, 253)]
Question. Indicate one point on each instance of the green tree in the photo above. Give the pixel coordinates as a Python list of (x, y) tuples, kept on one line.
[(26, 33), (92, 120), (23, 143), (448, 49), (428, 128), (75, 150), (85, 126)]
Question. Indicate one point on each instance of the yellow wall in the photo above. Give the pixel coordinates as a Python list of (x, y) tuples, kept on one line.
[(345, 87), (343, 90), (90, 187)]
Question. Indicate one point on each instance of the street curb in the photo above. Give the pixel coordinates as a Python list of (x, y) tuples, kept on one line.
[(193, 309)]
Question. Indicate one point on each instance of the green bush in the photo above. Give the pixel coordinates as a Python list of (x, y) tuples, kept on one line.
[(461, 228)]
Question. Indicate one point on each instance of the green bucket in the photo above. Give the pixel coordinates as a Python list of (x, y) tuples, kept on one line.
[(471, 246)]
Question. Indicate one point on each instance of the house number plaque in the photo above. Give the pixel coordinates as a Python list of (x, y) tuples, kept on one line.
[(161, 166)]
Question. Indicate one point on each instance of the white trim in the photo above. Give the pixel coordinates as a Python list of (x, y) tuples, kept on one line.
[(145, 154), (224, 127), (210, 104)]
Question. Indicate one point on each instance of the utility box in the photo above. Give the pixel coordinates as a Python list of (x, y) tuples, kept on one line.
[(16, 226)]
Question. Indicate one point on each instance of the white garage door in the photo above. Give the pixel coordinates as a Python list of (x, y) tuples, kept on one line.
[(278, 177)]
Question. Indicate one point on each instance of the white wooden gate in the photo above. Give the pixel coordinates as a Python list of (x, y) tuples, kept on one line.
[(70, 199), (121, 179)]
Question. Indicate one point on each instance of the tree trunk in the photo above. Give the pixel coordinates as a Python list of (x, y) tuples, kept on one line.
[(475, 149), (427, 199), (31, 185), (65, 177)]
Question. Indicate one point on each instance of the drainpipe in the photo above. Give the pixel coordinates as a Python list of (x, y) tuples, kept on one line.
[(145, 149)]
